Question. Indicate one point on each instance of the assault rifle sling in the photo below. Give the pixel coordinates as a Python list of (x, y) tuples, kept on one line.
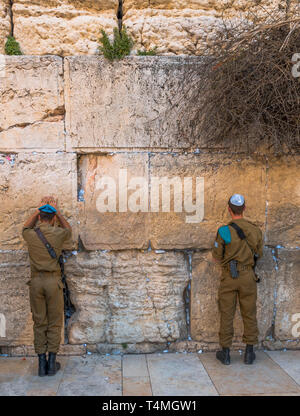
[(242, 236), (51, 251)]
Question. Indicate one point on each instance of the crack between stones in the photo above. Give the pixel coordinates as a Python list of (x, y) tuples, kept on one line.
[(11, 15), (120, 15), (51, 116), (187, 294)]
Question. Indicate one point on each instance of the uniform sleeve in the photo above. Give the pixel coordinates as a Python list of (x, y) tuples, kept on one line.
[(66, 234), (26, 233), (218, 248)]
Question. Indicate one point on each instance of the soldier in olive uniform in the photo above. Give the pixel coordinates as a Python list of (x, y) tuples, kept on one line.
[(229, 245), (46, 287)]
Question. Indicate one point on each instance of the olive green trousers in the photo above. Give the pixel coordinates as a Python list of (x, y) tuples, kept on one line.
[(243, 289), (47, 307)]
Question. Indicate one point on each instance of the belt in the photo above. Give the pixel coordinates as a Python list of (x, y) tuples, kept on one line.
[(240, 267), (44, 273)]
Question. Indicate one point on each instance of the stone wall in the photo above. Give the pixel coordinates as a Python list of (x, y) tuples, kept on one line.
[(140, 281), (72, 27)]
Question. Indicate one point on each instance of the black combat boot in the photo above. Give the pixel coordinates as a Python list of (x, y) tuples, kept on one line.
[(53, 366), (42, 365), (249, 355), (224, 356)]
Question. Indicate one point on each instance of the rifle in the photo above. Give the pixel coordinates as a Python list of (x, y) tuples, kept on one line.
[(242, 236), (68, 307)]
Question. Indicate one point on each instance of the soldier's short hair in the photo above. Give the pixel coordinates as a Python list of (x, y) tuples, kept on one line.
[(47, 216), (235, 209)]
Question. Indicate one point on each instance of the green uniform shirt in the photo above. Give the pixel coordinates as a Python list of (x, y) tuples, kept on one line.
[(40, 259), (233, 248)]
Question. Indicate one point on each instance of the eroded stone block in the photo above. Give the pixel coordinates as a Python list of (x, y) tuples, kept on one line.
[(283, 195), (103, 179), (5, 26), (184, 26), (288, 296), (32, 104), (24, 180), (127, 297), (139, 102), (62, 27), (15, 314)]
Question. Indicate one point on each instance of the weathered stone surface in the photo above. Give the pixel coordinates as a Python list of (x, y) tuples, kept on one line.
[(4, 23), (28, 350), (24, 180), (264, 377), (184, 27), (204, 293), (32, 104), (283, 195), (127, 297), (215, 6), (124, 348), (288, 297), (223, 176), (14, 299), (62, 27), (139, 102), (176, 375), (111, 230)]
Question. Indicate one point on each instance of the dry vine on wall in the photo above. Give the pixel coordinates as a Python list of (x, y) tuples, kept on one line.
[(250, 94)]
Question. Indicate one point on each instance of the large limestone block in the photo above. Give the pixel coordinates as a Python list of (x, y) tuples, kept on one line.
[(32, 104), (283, 195), (5, 26), (24, 180), (139, 102), (15, 314), (127, 297), (223, 176), (288, 296), (104, 186), (184, 27), (172, 32), (217, 6), (205, 318), (62, 27)]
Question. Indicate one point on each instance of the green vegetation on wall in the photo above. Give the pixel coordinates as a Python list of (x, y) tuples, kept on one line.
[(150, 52), (119, 48), (12, 47)]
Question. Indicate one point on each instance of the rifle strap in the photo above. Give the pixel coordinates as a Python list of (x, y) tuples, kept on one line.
[(46, 243), (242, 236), (240, 233)]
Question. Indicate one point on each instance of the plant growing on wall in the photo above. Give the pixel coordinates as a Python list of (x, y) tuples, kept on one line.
[(12, 47), (150, 52), (120, 46)]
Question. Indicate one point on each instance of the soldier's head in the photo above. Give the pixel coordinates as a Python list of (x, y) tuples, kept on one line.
[(236, 205), (47, 214)]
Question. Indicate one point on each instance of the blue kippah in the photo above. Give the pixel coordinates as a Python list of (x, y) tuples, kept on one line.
[(48, 208), (237, 200)]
